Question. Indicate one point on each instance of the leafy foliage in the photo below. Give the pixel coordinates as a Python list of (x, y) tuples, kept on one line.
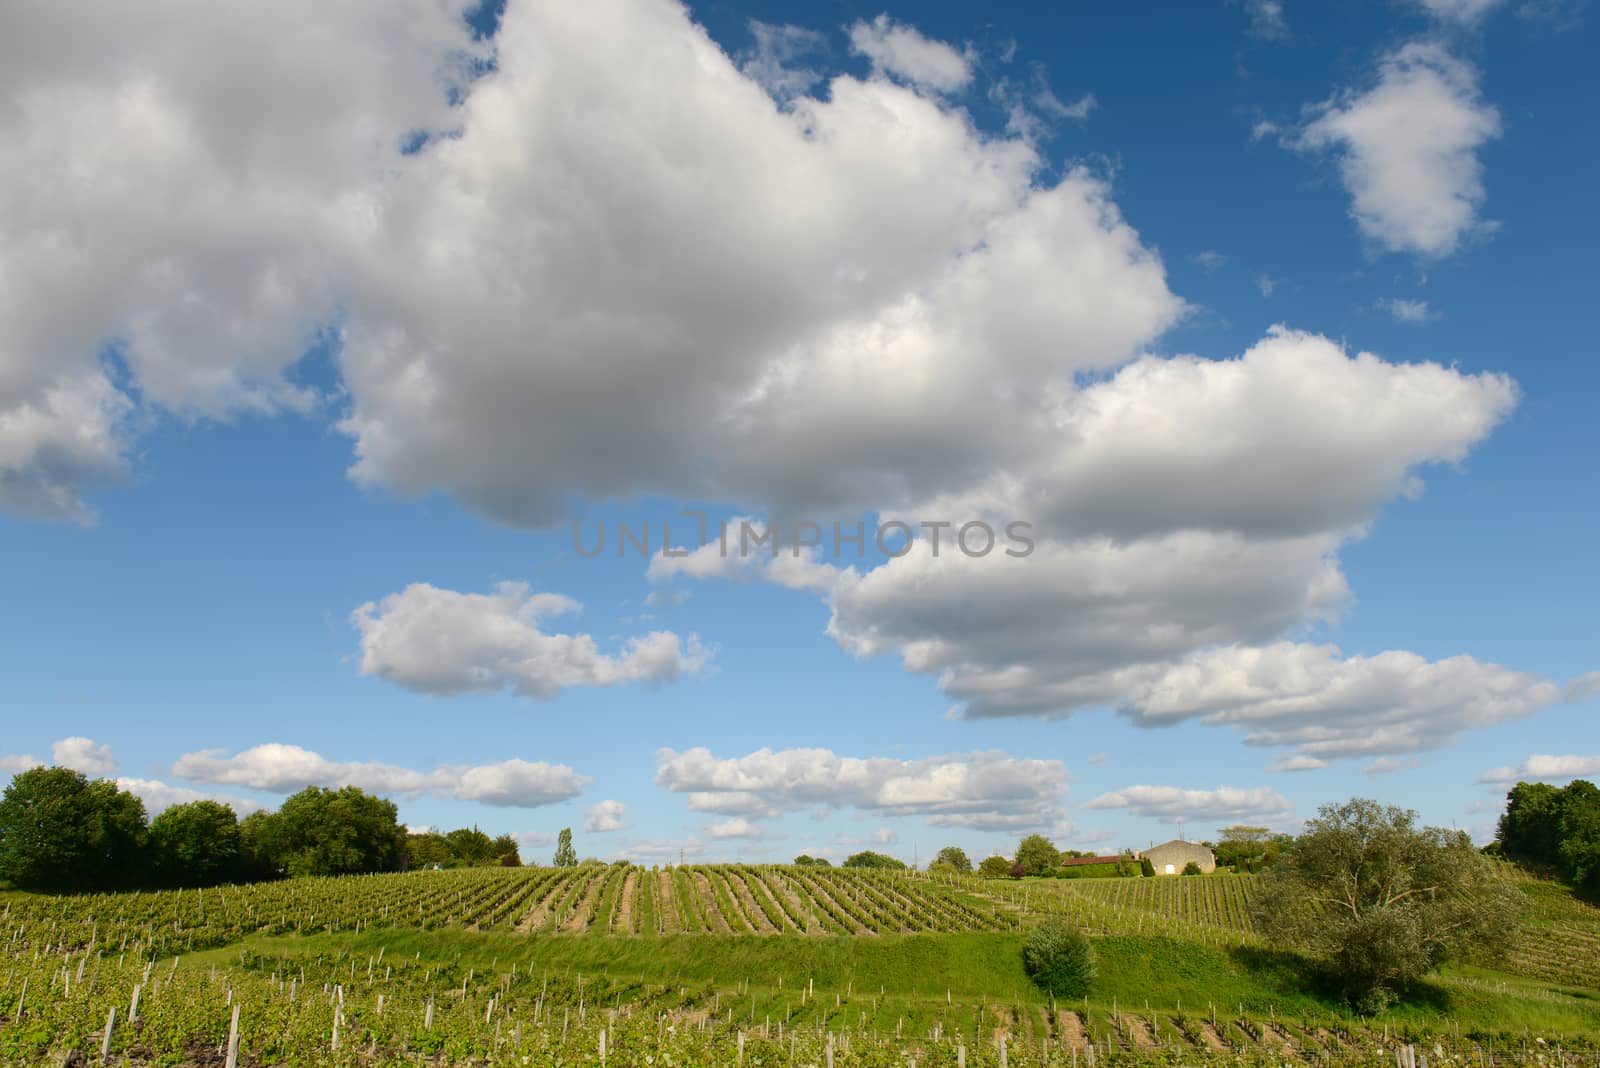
[(1376, 902), (1037, 855), (566, 856), (196, 844), (1059, 959), (868, 859), (995, 867), (955, 857), (320, 831), (60, 831), (1555, 828)]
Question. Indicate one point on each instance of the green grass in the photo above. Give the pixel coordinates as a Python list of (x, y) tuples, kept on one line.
[(915, 972)]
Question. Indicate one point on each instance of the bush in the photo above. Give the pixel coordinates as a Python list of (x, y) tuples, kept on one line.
[(1059, 959), (996, 867), (1192, 868)]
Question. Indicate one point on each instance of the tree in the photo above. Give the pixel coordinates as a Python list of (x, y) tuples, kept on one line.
[(504, 849), (1530, 827), (955, 857), (320, 831), (1146, 868), (1038, 855), (255, 859), (1374, 902), (470, 847), (1059, 959), (566, 856), (995, 867), (868, 859), (1241, 846), (1192, 868), (1579, 852), (195, 844), (60, 831), (427, 849)]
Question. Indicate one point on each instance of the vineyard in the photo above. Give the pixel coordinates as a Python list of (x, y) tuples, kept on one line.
[(615, 965)]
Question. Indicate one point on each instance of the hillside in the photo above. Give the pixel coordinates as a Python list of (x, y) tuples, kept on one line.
[(899, 964)]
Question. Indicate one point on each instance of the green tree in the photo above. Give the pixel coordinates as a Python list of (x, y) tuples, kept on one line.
[(1038, 855), (1375, 902), (505, 851), (1241, 846), (1530, 827), (1059, 959), (1579, 852), (256, 831), (868, 859), (1192, 868), (470, 847), (195, 844), (566, 856), (995, 867), (426, 849), (60, 831), (1146, 868), (320, 831), (955, 857)]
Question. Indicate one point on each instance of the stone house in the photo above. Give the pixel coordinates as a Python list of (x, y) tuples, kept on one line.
[(1170, 858)]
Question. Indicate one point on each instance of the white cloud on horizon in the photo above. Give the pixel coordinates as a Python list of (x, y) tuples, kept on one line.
[(1172, 805), (284, 769), (604, 817), (1544, 767)]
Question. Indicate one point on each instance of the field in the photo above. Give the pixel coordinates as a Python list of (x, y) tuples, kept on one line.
[(723, 964)]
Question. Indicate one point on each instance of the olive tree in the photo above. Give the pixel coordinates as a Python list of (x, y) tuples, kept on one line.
[(1375, 902)]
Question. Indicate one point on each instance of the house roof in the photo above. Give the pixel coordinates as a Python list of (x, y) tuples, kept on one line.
[(1073, 862)]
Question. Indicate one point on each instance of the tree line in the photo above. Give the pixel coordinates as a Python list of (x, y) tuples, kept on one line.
[(1556, 829), (62, 832)]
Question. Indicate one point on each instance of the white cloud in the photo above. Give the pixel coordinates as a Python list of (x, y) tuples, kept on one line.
[(736, 827), (604, 817), (666, 598), (954, 790), (1266, 284), (172, 177), (1328, 705), (19, 763), (442, 642), (734, 551), (82, 754), (1297, 762), (283, 769), (1389, 766), (1468, 13), (1583, 687), (902, 52), (159, 796), (1407, 311), (1169, 804), (1408, 149), (1209, 259), (774, 62), (1544, 767)]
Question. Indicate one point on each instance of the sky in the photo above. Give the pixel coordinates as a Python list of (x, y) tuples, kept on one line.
[(1238, 356)]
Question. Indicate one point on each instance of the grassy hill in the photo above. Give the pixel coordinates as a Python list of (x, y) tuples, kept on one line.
[(904, 964)]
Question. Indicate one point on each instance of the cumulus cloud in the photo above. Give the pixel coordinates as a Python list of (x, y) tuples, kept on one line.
[(1169, 804), (1267, 20), (283, 769), (736, 827), (1583, 687), (1407, 149), (442, 642), (171, 180), (17, 763), (974, 787), (82, 754), (159, 796), (742, 549), (775, 60), (1544, 767), (1297, 762), (604, 817), (902, 52)]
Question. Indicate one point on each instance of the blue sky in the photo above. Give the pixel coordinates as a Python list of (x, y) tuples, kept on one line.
[(1272, 320)]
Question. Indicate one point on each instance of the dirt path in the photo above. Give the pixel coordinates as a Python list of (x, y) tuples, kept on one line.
[(1210, 1036), (1139, 1029), (1275, 1038), (708, 904), (584, 909), (1070, 1024), (623, 921), (535, 919), (667, 904)]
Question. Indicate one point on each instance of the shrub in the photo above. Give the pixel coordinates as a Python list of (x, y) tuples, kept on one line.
[(1192, 868), (1059, 959)]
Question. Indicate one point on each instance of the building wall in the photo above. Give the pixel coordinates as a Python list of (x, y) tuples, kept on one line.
[(1170, 858)]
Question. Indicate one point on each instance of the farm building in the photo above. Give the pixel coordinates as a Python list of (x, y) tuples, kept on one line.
[(1170, 858), (1078, 862)]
